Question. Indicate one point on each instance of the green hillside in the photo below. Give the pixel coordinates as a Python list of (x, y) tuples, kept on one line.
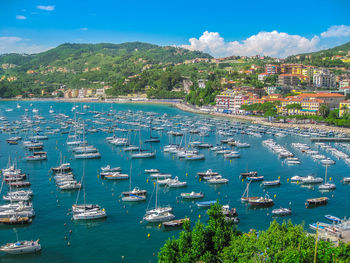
[(89, 66), (332, 57)]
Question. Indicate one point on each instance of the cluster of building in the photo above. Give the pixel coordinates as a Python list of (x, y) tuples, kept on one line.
[(86, 93), (296, 74), (231, 101)]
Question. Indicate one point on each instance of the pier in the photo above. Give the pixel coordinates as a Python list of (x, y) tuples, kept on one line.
[(329, 139)]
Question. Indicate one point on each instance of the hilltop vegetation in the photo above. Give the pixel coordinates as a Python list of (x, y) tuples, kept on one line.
[(324, 58)]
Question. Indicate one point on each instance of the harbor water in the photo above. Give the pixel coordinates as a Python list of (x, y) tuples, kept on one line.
[(122, 236)]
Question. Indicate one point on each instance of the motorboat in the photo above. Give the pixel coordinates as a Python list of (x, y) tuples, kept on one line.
[(209, 172), (261, 202), (333, 218), (192, 195), (271, 183), (150, 171), (159, 217), (90, 214), (21, 247), (108, 168), (206, 203), (281, 211), (218, 180)]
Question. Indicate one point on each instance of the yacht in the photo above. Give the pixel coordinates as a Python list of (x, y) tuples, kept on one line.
[(21, 247), (192, 195)]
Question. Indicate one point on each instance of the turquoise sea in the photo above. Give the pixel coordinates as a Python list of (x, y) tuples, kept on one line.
[(121, 237)]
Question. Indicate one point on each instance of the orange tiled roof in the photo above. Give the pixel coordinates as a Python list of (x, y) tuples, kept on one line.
[(320, 95)]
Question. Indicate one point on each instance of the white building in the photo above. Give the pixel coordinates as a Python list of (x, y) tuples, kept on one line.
[(324, 79), (100, 92), (201, 83)]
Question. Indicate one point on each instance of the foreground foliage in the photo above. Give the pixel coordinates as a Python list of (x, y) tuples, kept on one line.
[(219, 241)]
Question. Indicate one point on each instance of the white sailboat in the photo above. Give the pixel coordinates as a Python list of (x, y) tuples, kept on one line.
[(158, 214), (327, 185), (87, 211)]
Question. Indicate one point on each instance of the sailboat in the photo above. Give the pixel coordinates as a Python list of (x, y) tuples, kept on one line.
[(245, 197), (158, 214), (87, 211), (134, 195), (326, 186), (151, 139), (51, 110), (143, 153)]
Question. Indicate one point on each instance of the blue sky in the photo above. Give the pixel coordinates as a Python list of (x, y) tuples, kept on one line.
[(221, 28)]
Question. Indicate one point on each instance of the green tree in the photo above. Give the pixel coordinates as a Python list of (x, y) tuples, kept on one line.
[(324, 111)]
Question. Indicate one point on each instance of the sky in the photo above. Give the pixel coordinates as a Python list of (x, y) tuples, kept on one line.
[(220, 28)]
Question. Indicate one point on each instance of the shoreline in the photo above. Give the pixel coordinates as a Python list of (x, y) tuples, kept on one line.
[(187, 108)]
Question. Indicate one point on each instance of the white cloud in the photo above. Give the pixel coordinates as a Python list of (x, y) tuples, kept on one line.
[(274, 44), (337, 31), (20, 17), (11, 44), (46, 7), (84, 29)]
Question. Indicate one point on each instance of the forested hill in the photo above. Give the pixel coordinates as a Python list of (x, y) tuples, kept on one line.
[(76, 56), (89, 66), (337, 57)]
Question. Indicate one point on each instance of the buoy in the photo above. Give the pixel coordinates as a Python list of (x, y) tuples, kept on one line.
[(98, 176), (242, 180), (148, 235), (122, 257), (200, 179), (68, 244), (279, 177), (186, 174), (124, 206), (274, 196), (154, 183), (141, 222), (230, 161), (70, 231), (65, 224), (330, 178), (147, 180), (218, 193), (127, 211), (177, 201), (287, 179), (112, 194), (160, 225), (67, 215), (199, 216)]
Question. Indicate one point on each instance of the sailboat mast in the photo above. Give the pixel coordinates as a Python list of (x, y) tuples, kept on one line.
[(157, 193)]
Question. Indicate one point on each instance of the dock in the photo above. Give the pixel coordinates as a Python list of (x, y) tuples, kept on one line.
[(330, 139)]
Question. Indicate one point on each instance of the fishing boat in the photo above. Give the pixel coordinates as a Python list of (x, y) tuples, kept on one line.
[(281, 211), (192, 195), (346, 180), (245, 197), (313, 202), (333, 218), (206, 203), (21, 247)]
